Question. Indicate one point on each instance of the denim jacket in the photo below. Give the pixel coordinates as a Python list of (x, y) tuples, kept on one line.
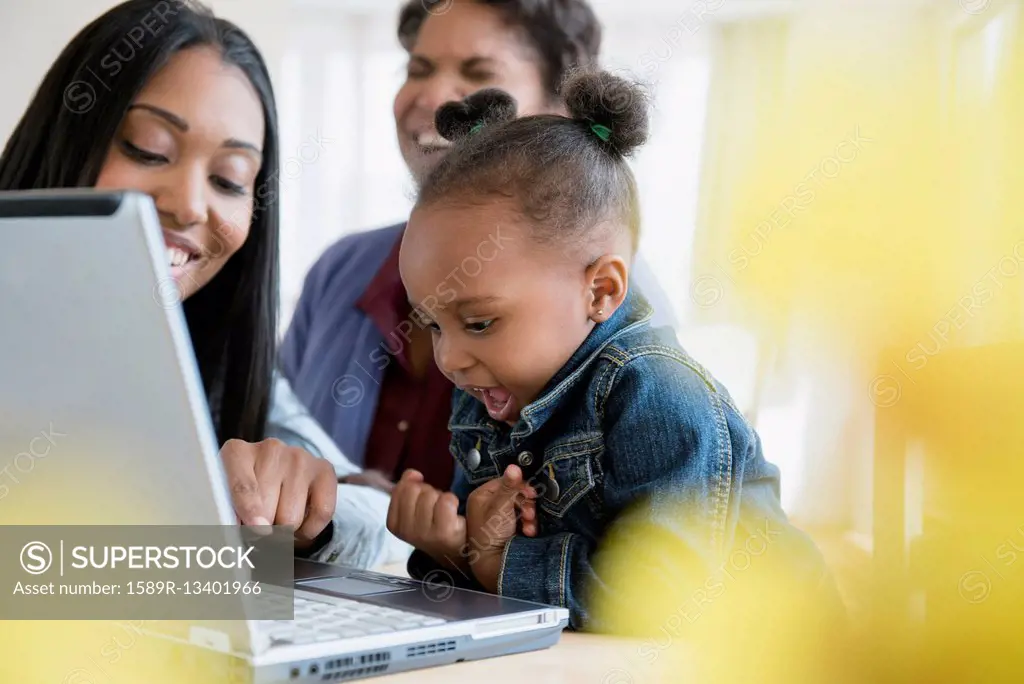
[(630, 418)]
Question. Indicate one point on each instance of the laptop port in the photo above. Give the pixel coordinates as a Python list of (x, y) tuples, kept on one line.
[(313, 669), (294, 674)]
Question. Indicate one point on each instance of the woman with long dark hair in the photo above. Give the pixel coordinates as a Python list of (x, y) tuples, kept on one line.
[(166, 99)]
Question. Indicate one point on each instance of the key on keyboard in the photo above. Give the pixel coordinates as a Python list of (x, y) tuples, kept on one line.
[(339, 619)]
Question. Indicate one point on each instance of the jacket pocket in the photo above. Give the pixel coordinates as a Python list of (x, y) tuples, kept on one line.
[(479, 468), (568, 472)]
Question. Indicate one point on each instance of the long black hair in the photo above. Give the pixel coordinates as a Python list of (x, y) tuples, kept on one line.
[(62, 141)]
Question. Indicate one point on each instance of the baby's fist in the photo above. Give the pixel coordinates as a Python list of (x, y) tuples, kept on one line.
[(427, 518)]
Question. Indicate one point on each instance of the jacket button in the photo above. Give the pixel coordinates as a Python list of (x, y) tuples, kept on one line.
[(525, 458), (473, 459), (551, 489)]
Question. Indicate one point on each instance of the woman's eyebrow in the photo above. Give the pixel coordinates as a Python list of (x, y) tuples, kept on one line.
[(167, 116), (236, 144), (470, 63), (182, 125), (478, 61)]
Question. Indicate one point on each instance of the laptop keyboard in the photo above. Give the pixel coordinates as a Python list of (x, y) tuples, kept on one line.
[(339, 618)]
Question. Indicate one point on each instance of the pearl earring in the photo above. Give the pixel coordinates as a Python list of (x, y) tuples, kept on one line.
[(600, 312)]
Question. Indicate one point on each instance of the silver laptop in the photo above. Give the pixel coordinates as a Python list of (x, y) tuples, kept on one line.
[(96, 353)]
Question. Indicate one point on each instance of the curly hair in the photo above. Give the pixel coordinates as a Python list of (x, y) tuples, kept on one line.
[(566, 174), (565, 34)]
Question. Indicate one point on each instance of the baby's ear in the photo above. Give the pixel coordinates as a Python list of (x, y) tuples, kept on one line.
[(608, 280)]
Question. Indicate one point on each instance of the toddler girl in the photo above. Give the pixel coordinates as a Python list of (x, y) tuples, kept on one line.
[(569, 407)]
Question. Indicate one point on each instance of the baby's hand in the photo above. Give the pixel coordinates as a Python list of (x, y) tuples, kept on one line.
[(492, 513), (428, 519)]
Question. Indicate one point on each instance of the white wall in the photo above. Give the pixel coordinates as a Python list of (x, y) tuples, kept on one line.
[(33, 32)]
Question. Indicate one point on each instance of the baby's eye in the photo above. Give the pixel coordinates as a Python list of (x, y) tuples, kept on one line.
[(479, 326)]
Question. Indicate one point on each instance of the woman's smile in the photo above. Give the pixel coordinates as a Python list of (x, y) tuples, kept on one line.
[(183, 255)]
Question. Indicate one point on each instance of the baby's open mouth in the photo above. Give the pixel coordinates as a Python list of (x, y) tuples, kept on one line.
[(499, 402)]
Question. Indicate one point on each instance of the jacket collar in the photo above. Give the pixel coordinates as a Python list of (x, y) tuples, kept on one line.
[(470, 414)]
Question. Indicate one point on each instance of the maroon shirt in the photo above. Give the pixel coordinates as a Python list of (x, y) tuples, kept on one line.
[(410, 428)]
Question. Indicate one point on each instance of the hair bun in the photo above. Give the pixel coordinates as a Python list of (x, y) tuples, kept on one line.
[(599, 97), (455, 120)]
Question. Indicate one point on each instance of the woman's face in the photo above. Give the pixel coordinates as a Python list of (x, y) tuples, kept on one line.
[(457, 53), (192, 140)]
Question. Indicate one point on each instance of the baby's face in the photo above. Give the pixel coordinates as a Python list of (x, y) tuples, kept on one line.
[(506, 312)]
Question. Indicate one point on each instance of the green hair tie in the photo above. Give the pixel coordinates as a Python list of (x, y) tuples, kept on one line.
[(476, 127), (602, 132)]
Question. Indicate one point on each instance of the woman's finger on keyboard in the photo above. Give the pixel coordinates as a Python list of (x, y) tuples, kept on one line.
[(239, 460), (320, 501)]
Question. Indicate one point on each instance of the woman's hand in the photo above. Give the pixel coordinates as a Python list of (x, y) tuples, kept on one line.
[(428, 519), (272, 483)]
